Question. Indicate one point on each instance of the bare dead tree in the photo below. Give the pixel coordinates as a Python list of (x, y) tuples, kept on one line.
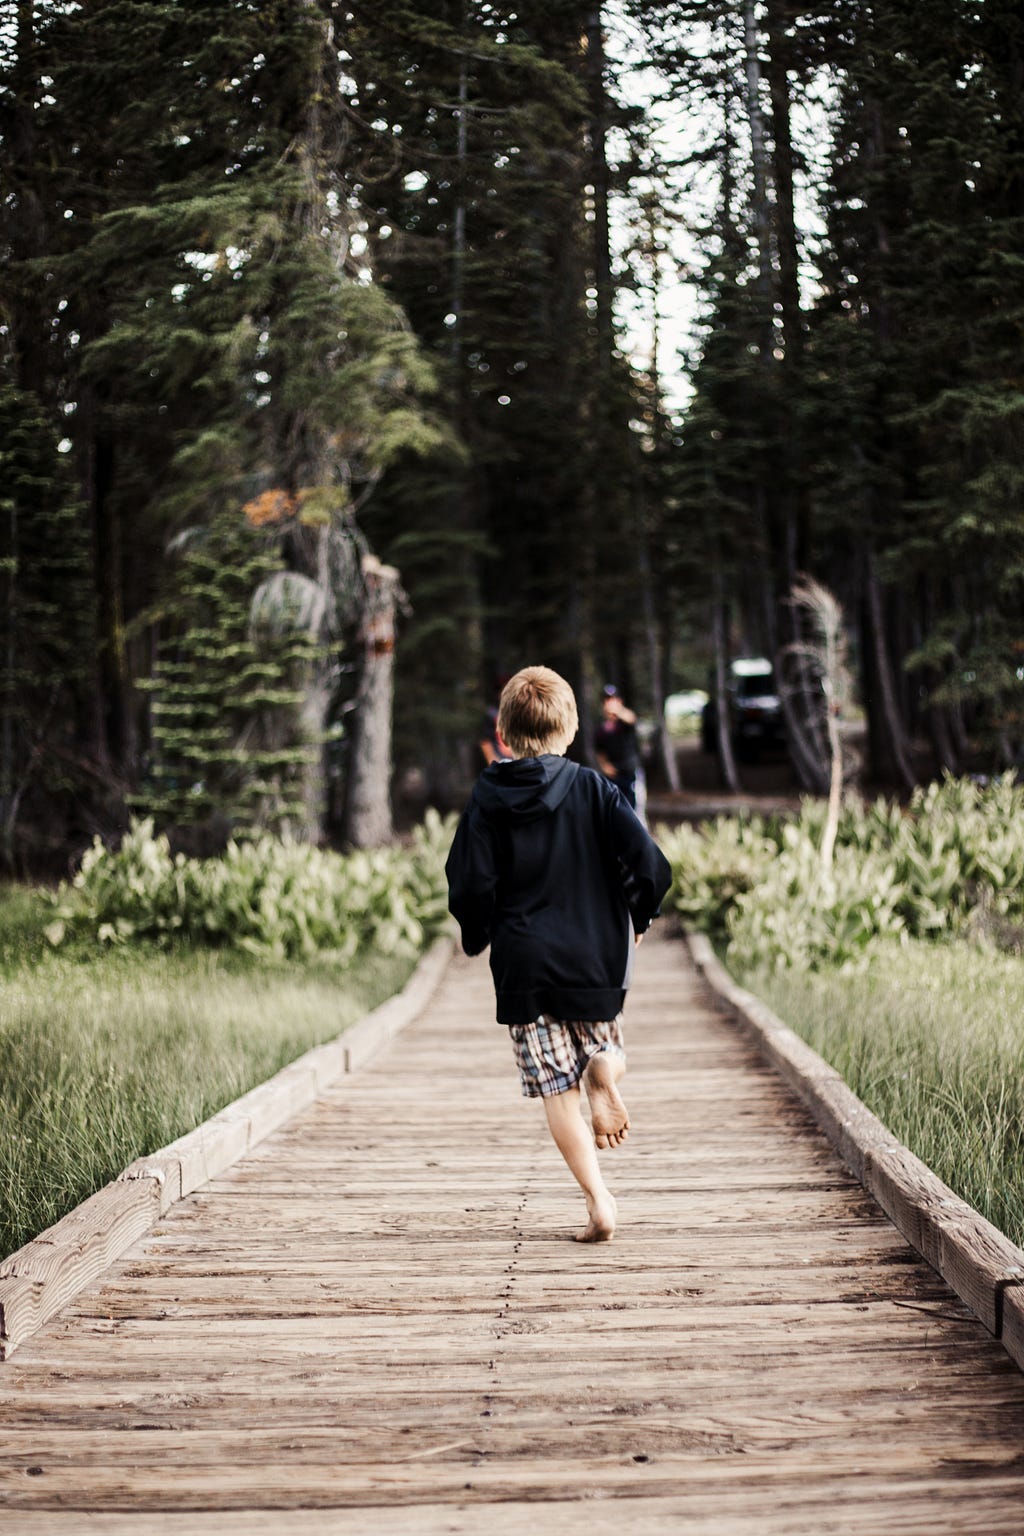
[(818, 670)]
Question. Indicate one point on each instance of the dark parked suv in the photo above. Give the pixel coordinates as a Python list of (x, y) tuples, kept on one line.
[(755, 709)]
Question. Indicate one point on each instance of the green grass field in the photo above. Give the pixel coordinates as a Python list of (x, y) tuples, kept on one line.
[(931, 1037), (106, 1055)]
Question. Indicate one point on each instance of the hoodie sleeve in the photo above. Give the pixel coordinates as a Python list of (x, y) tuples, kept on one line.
[(642, 869), (472, 881)]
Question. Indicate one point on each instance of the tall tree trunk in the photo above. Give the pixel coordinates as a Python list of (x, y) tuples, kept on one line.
[(8, 805), (656, 658), (938, 716), (316, 704), (652, 641), (788, 539), (600, 228), (27, 343), (887, 714), (26, 228), (782, 627), (596, 394), (888, 732), (958, 732), (942, 738), (458, 291), (782, 174), (443, 782), (759, 166), (797, 497), (665, 631), (368, 810), (723, 738), (581, 645), (113, 655)]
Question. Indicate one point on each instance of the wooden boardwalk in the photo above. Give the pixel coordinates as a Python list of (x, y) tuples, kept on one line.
[(376, 1324)]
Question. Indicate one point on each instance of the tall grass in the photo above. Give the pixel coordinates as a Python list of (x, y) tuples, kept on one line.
[(106, 1055), (931, 1037)]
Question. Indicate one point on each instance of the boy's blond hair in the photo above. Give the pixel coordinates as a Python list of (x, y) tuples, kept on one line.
[(537, 713)]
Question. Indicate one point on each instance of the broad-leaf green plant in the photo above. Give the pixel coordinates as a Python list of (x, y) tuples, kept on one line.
[(272, 899)]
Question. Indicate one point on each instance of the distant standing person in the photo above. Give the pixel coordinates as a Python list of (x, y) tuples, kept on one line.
[(618, 756)]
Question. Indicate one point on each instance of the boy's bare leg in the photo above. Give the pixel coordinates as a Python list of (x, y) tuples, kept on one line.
[(574, 1141), (608, 1114)]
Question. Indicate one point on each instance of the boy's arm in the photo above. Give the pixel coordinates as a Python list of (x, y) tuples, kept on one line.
[(643, 870), (472, 882)]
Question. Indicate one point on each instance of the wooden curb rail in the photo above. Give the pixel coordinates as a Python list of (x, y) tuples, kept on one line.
[(982, 1266), (48, 1272)]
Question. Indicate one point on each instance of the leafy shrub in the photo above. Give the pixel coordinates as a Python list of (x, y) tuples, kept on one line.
[(951, 863), (803, 917), (276, 900), (713, 868)]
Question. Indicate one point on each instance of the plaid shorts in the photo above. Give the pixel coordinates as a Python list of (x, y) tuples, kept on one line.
[(552, 1055)]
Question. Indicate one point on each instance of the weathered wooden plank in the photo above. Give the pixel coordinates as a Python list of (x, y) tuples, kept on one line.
[(865, 1509), (275, 1485), (337, 1290), (42, 1277), (971, 1401), (505, 1358), (321, 1450), (643, 1328), (1012, 1331), (306, 1184), (968, 1251), (303, 1441), (691, 1207)]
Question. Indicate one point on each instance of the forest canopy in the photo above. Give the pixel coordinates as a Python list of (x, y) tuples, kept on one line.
[(308, 310)]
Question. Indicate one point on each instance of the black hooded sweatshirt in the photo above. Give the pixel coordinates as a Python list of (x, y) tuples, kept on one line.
[(554, 870)]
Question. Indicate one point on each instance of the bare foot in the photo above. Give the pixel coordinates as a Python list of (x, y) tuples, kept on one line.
[(602, 1212), (609, 1117)]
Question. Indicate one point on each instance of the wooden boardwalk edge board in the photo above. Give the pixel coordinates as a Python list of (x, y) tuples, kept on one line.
[(48, 1272), (983, 1267)]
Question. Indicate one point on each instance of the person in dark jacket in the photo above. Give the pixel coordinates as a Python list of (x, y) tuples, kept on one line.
[(554, 871), (618, 755)]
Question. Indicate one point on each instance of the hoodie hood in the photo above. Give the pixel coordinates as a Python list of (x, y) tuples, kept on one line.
[(526, 788)]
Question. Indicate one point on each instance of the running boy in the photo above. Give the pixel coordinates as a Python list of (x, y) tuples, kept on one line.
[(551, 867)]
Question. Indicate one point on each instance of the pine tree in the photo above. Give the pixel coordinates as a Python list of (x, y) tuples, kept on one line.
[(915, 338), (745, 64), (227, 748), (47, 639), (487, 167), (210, 332)]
